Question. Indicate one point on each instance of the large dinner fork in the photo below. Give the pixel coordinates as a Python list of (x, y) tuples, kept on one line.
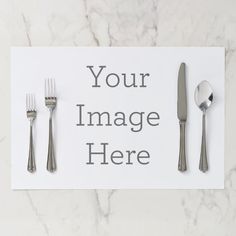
[(50, 102), (31, 115)]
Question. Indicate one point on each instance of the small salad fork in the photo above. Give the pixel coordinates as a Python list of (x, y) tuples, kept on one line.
[(50, 102), (31, 115)]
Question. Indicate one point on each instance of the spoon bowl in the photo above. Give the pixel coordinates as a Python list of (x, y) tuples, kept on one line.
[(203, 95)]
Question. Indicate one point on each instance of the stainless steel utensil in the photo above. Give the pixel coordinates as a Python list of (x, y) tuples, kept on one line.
[(31, 115), (50, 102), (182, 116), (203, 98)]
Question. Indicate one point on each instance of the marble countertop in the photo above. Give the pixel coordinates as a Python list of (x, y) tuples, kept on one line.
[(118, 23)]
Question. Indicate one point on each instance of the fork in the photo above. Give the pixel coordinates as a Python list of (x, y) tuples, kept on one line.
[(50, 102), (31, 115)]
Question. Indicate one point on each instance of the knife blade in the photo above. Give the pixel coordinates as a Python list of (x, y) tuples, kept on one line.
[(182, 115), (182, 96)]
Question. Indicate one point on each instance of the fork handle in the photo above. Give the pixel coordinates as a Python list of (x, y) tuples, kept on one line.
[(31, 167), (51, 161)]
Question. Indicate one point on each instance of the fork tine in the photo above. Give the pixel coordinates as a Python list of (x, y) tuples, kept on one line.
[(34, 105), (49, 88), (53, 88), (30, 102), (26, 102), (45, 88), (32, 98)]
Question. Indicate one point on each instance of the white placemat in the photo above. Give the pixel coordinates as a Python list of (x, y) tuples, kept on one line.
[(156, 145)]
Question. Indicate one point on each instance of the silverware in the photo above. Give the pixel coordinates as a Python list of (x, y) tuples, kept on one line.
[(50, 102), (182, 116), (31, 115), (203, 98)]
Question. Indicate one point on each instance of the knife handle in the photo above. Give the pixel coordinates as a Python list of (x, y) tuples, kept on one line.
[(182, 157)]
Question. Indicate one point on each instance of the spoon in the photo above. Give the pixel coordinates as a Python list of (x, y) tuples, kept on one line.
[(203, 98)]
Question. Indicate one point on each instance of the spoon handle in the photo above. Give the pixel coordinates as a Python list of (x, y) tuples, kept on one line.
[(203, 165), (182, 157)]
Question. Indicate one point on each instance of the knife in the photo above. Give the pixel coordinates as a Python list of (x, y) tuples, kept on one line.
[(182, 115)]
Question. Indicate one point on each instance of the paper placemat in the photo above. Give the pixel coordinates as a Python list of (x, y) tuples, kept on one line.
[(135, 144)]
